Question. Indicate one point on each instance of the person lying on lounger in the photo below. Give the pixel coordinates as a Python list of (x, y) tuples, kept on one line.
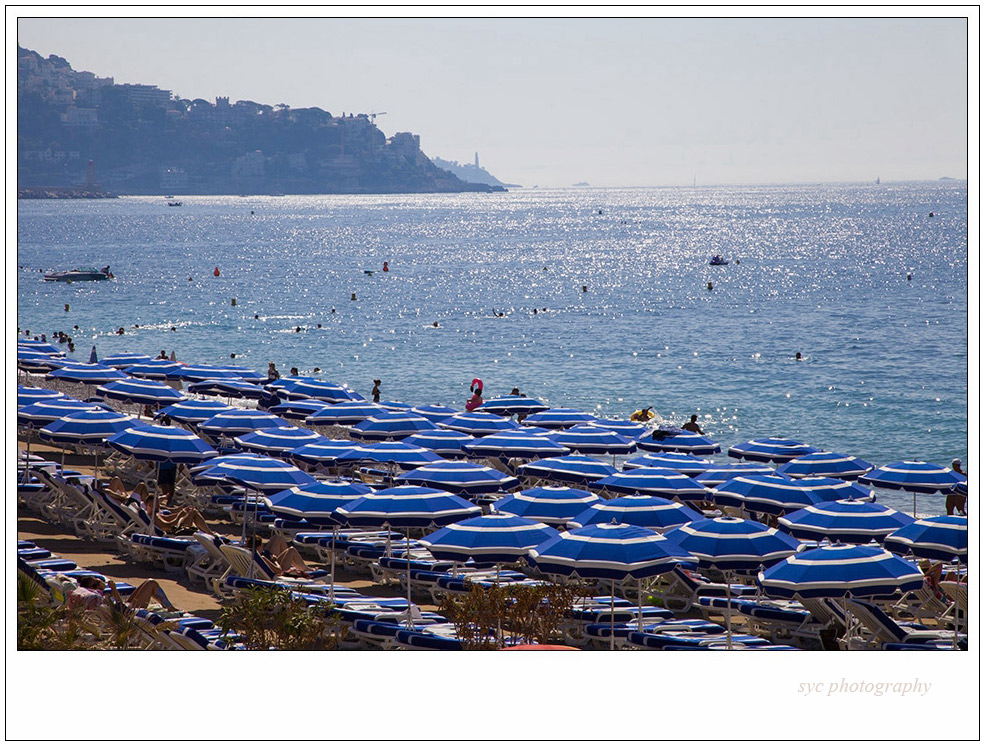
[(91, 592), (181, 520), (283, 558)]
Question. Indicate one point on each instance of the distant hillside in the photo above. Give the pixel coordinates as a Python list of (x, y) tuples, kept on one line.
[(75, 129), (471, 172)]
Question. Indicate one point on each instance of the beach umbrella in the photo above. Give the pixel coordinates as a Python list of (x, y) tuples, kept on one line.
[(777, 450), (852, 521), (227, 388), (390, 426), (461, 478), (208, 373), (125, 360), (682, 443), (140, 392), (35, 362), (193, 411), (630, 429), (297, 409), (388, 452), (613, 552), (515, 444), (720, 473), (325, 391), (237, 422), (85, 427), (276, 441), (835, 489), (434, 413), (559, 417), (768, 494), (733, 545), (84, 373), (42, 413), (41, 347), (686, 464), (588, 439), (443, 442), (320, 453), (395, 406), (666, 483), (406, 507), (316, 502), (512, 404), (916, 477), (648, 511), (156, 370), (93, 358), (161, 443), (477, 423), (824, 464), (942, 538), (27, 395), (552, 504), (345, 413), (581, 470), (494, 538)]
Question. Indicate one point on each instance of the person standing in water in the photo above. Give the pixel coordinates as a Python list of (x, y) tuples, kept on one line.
[(693, 426), (376, 390)]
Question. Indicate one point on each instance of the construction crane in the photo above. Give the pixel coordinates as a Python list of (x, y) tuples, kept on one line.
[(373, 115)]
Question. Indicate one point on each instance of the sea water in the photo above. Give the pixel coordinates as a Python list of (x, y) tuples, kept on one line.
[(597, 299)]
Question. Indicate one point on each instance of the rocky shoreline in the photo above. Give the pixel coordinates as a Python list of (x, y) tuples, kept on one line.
[(62, 193)]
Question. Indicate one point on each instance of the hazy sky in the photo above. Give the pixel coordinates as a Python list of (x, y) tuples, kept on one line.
[(614, 102)]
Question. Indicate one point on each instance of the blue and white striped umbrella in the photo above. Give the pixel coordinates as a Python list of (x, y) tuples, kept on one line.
[(630, 429), (777, 450), (917, 477), (434, 413), (345, 413), (686, 464), (320, 453), (28, 395), (559, 417), (824, 464), (237, 422), (297, 409), (651, 511), (834, 489), (515, 444), (666, 483), (588, 439), (390, 426), (207, 373), (553, 504), (443, 442), (495, 538), (325, 391), (461, 478), (84, 373), (581, 470), (227, 388), (512, 404), (731, 544), (86, 427), (477, 423), (852, 521), (156, 370), (388, 452), (263, 473), (162, 443), (407, 506), (720, 473), (768, 494), (609, 551), (395, 406), (140, 392), (193, 411), (936, 538), (125, 360), (317, 501), (276, 441), (35, 362), (49, 410), (841, 571), (41, 347), (681, 443)]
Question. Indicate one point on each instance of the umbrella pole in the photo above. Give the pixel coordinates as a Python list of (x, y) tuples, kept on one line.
[(640, 606), (154, 502), (332, 569), (914, 513), (845, 610), (612, 614), (407, 555), (729, 614), (27, 454)]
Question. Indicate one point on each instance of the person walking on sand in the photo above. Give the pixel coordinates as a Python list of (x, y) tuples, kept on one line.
[(693, 426), (376, 390)]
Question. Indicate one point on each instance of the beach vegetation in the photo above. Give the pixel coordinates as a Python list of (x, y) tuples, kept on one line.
[(275, 619)]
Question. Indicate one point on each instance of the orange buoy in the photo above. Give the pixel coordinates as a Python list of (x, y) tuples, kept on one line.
[(216, 272)]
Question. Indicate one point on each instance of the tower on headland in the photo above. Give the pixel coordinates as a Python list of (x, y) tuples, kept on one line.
[(477, 159)]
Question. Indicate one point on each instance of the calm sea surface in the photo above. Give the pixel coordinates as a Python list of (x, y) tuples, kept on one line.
[(822, 270)]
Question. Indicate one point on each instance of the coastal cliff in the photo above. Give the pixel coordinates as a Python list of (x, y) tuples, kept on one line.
[(76, 130)]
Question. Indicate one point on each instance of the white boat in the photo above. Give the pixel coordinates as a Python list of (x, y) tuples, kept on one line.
[(86, 273)]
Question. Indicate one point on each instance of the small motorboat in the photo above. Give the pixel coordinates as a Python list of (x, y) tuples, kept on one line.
[(87, 273), (174, 203), (718, 260)]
